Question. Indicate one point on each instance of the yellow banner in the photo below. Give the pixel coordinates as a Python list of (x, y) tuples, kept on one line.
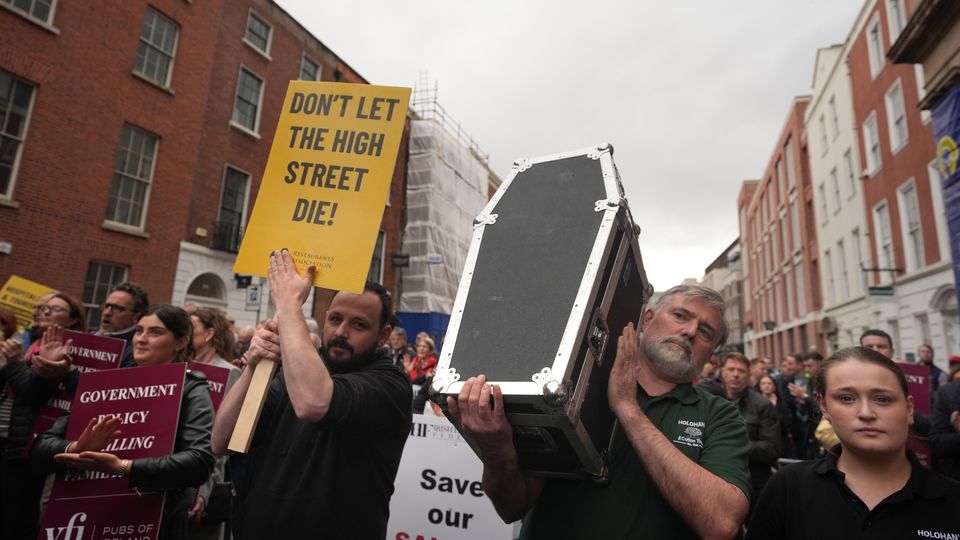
[(325, 185), (19, 295)]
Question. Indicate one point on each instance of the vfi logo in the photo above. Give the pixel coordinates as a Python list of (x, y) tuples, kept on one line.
[(67, 533)]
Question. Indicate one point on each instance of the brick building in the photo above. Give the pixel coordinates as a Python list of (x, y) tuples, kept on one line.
[(909, 257), (134, 151), (781, 287)]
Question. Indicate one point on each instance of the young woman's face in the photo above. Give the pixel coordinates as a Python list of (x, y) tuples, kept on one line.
[(766, 386), (154, 344), (55, 311), (423, 350), (867, 408)]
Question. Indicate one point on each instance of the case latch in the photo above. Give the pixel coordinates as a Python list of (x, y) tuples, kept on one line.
[(598, 337), (485, 219), (603, 204), (522, 164), (442, 380)]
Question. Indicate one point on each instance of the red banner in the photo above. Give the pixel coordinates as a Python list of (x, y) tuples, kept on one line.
[(89, 505), (918, 384), (89, 353), (217, 378)]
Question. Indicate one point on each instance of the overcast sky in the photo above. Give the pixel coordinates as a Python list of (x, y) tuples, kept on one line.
[(691, 93)]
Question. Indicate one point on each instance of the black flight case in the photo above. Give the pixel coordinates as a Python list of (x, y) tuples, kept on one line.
[(552, 276)]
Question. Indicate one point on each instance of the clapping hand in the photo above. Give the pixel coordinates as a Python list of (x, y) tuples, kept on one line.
[(53, 359)]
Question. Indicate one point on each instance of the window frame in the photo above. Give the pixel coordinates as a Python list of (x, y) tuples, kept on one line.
[(886, 258), (874, 137), (141, 41), (22, 138), (875, 48), (896, 11), (892, 122), (236, 95), (252, 14), (149, 182), (913, 249), (303, 60), (47, 23)]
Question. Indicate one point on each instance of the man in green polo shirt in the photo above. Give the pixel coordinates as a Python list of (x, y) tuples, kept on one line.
[(678, 463)]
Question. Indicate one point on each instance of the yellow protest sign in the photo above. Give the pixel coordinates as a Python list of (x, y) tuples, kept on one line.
[(325, 184), (19, 295)]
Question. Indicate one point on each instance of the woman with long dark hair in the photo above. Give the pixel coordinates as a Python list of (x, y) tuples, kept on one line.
[(162, 336)]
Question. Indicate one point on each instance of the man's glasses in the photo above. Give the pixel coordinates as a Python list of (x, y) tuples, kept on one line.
[(115, 308)]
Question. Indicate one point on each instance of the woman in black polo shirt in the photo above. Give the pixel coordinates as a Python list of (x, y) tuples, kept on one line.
[(871, 486)]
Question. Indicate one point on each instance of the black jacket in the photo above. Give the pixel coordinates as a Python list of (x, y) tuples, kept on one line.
[(944, 440), (30, 393), (189, 465)]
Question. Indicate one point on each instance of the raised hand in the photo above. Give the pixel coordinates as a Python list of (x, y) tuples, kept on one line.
[(96, 436), (288, 288), (622, 384), (264, 344)]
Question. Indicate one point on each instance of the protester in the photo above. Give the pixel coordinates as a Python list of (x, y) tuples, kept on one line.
[(945, 429), (877, 340), (213, 339), (162, 337), (954, 369), (660, 486), (425, 364), (398, 347), (244, 335), (793, 389), (762, 419), (938, 377), (874, 487), (771, 369), (124, 306), (757, 370), (811, 364), (32, 378), (328, 443)]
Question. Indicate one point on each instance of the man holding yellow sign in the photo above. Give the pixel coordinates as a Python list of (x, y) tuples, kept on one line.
[(325, 435)]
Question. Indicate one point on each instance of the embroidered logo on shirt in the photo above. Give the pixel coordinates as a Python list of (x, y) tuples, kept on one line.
[(692, 433), (937, 534)]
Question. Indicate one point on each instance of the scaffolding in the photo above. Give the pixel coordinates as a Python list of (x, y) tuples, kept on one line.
[(448, 177)]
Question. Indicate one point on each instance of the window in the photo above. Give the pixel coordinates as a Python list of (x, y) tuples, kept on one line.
[(896, 117), (101, 277), (788, 282), (781, 180), (158, 40), (881, 216), (233, 206), (309, 70), (875, 45), (788, 158), (911, 226), (896, 18), (858, 249), (851, 176), (784, 236), (871, 143), (939, 214), (822, 195), (844, 290), (795, 224), (132, 174), (834, 121), (376, 263), (828, 268), (835, 184), (16, 97), (258, 33), (823, 134), (246, 109), (801, 289), (41, 10)]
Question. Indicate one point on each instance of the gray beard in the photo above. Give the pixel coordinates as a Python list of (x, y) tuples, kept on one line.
[(669, 364)]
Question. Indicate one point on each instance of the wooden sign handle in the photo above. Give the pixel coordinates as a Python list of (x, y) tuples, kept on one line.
[(252, 406)]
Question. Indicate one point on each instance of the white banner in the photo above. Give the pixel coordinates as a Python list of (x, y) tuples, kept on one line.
[(438, 492)]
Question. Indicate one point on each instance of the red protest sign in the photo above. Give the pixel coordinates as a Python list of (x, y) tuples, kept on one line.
[(92, 505), (918, 384), (88, 353), (217, 378)]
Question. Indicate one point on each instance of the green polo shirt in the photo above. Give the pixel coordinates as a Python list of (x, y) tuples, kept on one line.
[(706, 428)]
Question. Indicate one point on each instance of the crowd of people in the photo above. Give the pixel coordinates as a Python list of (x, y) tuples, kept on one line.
[(740, 446)]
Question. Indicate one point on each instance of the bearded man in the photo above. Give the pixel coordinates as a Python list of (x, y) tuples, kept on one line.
[(678, 462), (327, 447)]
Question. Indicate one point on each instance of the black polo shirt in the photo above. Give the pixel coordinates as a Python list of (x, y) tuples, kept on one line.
[(811, 500)]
